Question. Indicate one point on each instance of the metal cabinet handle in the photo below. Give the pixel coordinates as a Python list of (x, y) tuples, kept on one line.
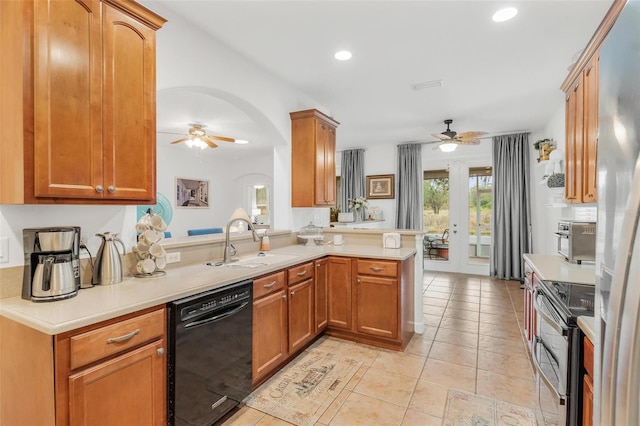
[(270, 284), (358, 280), (302, 273), (111, 188), (160, 351), (284, 296), (293, 293), (123, 338), (376, 268), (99, 188)]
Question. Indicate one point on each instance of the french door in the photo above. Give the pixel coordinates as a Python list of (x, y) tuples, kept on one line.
[(457, 218)]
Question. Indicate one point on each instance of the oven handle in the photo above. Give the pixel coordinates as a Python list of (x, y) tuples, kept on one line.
[(564, 331), (217, 317), (562, 400), (561, 235)]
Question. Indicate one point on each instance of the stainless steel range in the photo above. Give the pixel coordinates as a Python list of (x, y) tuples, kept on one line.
[(557, 349)]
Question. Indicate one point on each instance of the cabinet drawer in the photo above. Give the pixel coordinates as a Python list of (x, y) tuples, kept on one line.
[(588, 356), (300, 273), (267, 285), (377, 267), (96, 344)]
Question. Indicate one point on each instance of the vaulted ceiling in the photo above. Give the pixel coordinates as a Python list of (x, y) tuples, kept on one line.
[(495, 77)]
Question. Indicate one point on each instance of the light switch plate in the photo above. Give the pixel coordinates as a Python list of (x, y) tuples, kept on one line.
[(4, 249)]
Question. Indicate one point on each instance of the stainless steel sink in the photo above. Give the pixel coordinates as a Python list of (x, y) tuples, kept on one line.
[(255, 261)]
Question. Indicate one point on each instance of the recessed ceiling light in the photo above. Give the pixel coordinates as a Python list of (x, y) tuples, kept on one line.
[(343, 55), (504, 14), (241, 142)]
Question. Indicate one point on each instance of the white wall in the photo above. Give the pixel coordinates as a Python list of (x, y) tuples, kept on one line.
[(219, 72)]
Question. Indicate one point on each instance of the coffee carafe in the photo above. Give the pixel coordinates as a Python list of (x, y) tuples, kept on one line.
[(52, 267), (108, 265)]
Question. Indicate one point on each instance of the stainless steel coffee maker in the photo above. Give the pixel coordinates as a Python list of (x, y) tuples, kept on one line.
[(51, 263)]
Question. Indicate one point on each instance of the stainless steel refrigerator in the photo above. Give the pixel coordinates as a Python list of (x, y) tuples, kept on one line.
[(617, 325)]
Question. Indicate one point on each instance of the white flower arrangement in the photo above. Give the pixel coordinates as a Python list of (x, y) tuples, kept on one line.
[(358, 204)]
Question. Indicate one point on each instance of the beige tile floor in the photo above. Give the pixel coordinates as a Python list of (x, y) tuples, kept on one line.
[(473, 342)]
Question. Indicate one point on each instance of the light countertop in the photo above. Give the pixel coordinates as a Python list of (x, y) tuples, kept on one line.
[(556, 268), (133, 294), (587, 326)]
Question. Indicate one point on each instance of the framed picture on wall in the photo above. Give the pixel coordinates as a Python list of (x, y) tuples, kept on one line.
[(192, 193), (380, 186)]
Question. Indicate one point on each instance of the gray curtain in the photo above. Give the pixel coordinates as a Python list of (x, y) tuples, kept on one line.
[(409, 207), (511, 217), (351, 177)]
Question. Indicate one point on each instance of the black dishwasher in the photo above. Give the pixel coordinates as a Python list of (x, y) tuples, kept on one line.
[(209, 362)]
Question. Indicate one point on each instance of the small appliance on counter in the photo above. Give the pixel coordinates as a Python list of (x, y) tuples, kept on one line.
[(51, 263), (577, 240), (391, 240), (108, 265)]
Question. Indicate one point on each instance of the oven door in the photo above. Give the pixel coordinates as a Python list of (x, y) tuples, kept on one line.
[(564, 244), (550, 357)]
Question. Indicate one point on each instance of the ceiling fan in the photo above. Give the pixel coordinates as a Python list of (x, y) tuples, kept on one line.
[(198, 137), (449, 140)]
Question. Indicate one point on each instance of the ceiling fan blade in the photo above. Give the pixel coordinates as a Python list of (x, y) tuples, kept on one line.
[(221, 138), (209, 142), (172, 133), (469, 142), (180, 140), (470, 135), (440, 136)]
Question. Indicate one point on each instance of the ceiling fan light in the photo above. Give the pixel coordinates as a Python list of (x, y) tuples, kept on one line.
[(189, 143), (448, 147), (241, 141), (504, 14), (343, 55)]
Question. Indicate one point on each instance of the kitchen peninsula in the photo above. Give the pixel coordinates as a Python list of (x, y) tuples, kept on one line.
[(61, 337)]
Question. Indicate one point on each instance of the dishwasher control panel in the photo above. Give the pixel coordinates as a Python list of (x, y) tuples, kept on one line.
[(214, 303)]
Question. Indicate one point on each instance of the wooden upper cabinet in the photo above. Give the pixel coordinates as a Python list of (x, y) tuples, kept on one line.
[(86, 72), (574, 133), (313, 166), (590, 129), (581, 90)]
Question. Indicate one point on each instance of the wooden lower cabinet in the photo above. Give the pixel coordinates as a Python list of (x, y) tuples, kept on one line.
[(587, 401), (339, 292), (127, 390), (270, 342), (371, 301), (321, 296), (377, 306), (301, 314), (587, 382), (80, 378)]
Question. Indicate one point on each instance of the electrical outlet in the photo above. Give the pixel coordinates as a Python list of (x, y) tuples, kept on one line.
[(4, 249), (173, 257)]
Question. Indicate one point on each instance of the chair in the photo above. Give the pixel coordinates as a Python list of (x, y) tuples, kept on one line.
[(204, 231), (437, 247)]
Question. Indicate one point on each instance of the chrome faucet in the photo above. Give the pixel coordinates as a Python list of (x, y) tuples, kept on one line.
[(238, 215)]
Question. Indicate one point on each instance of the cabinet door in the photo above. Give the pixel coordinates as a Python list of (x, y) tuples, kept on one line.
[(339, 292), (574, 143), (67, 99), (321, 276), (325, 172), (129, 108), (127, 390), (587, 401), (269, 333), (301, 312), (377, 306), (590, 161)]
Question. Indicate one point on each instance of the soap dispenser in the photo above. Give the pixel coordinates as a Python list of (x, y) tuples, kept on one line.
[(264, 245)]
